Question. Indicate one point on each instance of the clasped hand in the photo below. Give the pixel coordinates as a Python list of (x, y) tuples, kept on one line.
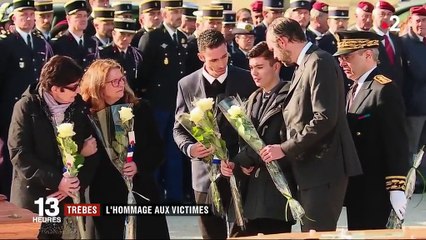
[(271, 153)]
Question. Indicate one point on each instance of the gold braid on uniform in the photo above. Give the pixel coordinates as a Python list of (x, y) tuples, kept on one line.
[(395, 183)]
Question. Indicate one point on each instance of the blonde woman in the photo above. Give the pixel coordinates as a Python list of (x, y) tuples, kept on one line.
[(104, 84)]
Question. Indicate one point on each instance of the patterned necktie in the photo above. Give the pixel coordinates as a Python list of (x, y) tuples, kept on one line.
[(352, 92), (389, 50), (29, 41)]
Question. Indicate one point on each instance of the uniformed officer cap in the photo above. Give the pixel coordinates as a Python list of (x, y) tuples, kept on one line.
[(273, 4), (122, 7), (365, 6), (338, 12), (229, 17), (171, 4), (189, 9), (243, 28), (74, 6), (102, 13), (6, 10), (210, 12), (226, 4), (45, 6), (352, 40), (149, 5), (125, 25), (19, 5), (297, 4)]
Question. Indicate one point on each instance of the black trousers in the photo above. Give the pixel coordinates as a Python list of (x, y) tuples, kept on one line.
[(323, 205), (211, 227)]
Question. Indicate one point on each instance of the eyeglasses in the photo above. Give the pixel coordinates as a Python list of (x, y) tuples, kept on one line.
[(72, 88), (116, 82), (347, 57)]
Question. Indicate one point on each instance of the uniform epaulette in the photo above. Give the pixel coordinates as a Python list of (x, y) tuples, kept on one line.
[(382, 79)]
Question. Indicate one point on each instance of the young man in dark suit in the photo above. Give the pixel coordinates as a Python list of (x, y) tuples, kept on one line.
[(215, 78), (319, 144), (376, 116)]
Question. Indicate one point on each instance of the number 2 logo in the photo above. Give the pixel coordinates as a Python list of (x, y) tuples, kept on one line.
[(395, 26), (53, 204)]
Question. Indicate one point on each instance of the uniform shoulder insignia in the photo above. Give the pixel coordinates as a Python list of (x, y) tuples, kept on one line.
[(382, 79)]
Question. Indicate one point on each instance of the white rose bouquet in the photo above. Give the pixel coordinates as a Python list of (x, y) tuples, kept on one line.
[(72, 161), (234, 111), (202, 125)]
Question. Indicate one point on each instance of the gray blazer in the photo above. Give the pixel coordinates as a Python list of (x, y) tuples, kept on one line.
[(239, 82), (319, 143)]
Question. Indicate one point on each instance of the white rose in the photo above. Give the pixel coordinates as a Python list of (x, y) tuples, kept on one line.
[(196, 115), (235, 111), (126, 114), (205, 104), (65, 130)]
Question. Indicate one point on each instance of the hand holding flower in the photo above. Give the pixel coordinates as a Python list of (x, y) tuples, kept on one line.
[(130, 169), (198, 150), (271, 153), (60, 195), (226, 168), (69, 185), (89, 147)]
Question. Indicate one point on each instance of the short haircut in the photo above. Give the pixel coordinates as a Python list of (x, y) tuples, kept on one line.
[(316, 14), (289, 28), (261, 50), (60, 71), (210, 38), (240, 11)]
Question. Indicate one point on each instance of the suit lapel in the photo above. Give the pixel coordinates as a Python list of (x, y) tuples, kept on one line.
[(363, 92)]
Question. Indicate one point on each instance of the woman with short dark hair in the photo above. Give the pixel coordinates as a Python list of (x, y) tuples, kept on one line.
[(36, 158)]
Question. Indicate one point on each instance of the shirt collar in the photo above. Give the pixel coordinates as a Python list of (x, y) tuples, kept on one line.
[(104, 41), (315, 31), (420, 38), (210, 78), (170, 30), (77, 39), (303, 53), (380, 32), (23, 34), (362, 79)]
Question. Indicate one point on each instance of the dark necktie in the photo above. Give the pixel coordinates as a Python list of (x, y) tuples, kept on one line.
[(29, 41), (123, 55), (389, 50), (215, 83), (424, 40), (351, 96), (80, 43), (175, 38)]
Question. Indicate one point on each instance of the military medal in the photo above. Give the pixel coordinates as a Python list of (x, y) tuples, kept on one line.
[(166, 61)]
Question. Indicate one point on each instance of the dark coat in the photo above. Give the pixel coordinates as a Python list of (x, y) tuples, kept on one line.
[(67, 45), (131, 63), (108, 186), (328, 43), (20, 66), (238, 58), (378, 125), (164, 67), (395, 71), (414, 91), (99, 43), (137, 37), (193, 63), (260, 33), (90, 29), (311, 37), (261, 197), (192, 86), (34, 152)]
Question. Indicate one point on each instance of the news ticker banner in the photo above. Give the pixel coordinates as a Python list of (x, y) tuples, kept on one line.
[(49, 210)]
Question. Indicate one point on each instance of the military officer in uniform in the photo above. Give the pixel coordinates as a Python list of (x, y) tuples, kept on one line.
[(165, 51), (74, 42), (363, 17), (256, 8), (319, 15), (23, 55), (226, 4), (244, 39), (43, 18), (123, 9), (229, 20), (208, 17), (338, 19), (188, 25), (149, 18), (301, 13), (90, 29), (390, 58), (272, 9), (129, 57), (103, 22), (376, 117)]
